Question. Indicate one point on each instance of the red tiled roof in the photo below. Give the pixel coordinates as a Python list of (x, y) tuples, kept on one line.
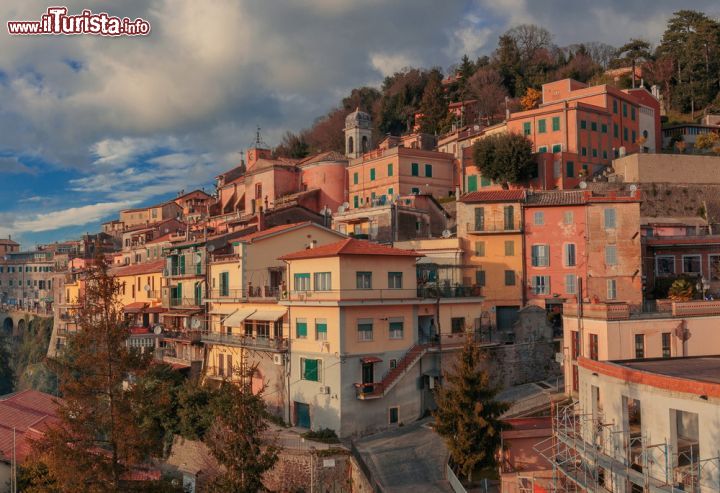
[(494, 196), (350, 246), (136, 269), (565, 197), (160, 239), (28, 412), (271, 231), (8, 241)]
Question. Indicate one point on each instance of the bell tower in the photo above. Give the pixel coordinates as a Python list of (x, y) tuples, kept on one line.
[(358, 134)]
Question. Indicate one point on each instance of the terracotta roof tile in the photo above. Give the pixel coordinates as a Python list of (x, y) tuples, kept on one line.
[(136, 269), (494, 196), (350, 246), (565, 197)]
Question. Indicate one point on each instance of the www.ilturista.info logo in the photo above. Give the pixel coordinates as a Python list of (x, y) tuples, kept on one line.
[(57, 21)]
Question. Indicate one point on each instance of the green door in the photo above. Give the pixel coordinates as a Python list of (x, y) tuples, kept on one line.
[(302, 415), (181, 269), (178, 293), (198, 293)]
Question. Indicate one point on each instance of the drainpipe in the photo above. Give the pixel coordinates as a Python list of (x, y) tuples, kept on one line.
[(289, 341)]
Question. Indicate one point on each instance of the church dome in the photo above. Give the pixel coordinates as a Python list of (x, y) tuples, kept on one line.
[(358, 119)]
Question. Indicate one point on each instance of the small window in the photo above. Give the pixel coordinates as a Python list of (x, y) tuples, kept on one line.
[(541, 284), (394, 415), (323, 281), (391, 192), (615, 106), (594, 347), (639, 346), (570, 169), (624, 106), (509, 217), (509, 278), (595, 153), (666, 342), (457, 325), (556, 123), (302, 282), (415, 190), (527, 128), (355, 178), (479, 248), (625, 133), (396, 329), (480, 277), (583, 151), (301, 328), (428, 170), (632, 113), (610, 255), (568, 217), (472, 183), (570, 284), (540, 255), (570, 255), (415, 169), (310, 369), (593, 126), (616, 130), (321, 329), (691, 264), (363, 280), (539, 218), (485, 182), (365, 330), (583, 124), (509, 248), (604, 128), (557, 148), (372, 174), (611, 289), (610, 219), (395, 280), (479, 219), (542, 149), (634, 137), (664, 265), (390, 169), (541, 126)]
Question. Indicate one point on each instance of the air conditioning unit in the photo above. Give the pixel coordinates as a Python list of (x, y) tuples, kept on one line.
[(278, 359), (324, 389)]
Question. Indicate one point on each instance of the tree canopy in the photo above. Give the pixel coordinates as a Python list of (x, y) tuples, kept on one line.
[(505, 158)]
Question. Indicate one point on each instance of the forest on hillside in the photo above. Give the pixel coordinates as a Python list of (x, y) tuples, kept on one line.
[(685, 64)]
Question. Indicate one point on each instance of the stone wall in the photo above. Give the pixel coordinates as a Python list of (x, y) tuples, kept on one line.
[(330, 471)]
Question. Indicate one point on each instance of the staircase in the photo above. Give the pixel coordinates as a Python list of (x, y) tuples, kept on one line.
[(381, 389)]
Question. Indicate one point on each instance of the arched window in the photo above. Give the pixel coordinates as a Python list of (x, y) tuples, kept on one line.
[(350, 145), (364, 143)]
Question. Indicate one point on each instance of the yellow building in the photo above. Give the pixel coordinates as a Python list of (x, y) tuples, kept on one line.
[(246, 325), (490, 225), (361, 339)]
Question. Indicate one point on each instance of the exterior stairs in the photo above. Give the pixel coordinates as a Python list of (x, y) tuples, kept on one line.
[(380, 389)]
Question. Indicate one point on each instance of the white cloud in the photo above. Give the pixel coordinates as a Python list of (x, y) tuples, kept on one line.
[(389, 63), (74, 216)]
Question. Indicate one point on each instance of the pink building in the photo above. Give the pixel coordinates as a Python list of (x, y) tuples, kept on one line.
[(579, 238)]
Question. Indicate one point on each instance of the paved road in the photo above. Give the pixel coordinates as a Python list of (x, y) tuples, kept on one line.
[(409, 459)]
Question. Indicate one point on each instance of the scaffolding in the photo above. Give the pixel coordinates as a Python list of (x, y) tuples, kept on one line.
[(588, 454)]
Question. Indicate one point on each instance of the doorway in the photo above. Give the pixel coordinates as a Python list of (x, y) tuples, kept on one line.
[(302, 415), (427, 329)]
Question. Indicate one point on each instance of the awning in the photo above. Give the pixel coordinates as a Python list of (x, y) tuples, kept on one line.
[(156, 309), (136, 307), (267, 315), (371, 359), (238, 317)]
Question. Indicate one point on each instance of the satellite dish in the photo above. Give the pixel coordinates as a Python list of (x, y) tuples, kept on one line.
[(446, 233), (167, 230), (157, 330), (633, 188), (583, 185), (341, 209), (195, 324), (147, 288), (211, 248)]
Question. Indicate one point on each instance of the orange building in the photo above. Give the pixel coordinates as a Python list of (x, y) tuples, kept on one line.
[(578, 130)]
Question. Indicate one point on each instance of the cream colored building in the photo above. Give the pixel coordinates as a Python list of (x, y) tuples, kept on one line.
[(364, 346), (246, 325)]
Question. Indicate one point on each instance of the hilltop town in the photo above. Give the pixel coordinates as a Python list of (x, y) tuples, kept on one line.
[(569, 232)]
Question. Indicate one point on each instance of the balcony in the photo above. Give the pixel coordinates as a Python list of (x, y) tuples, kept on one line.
[(448, 291), (493, 228), (193, 336), (171, 302), (228, 257), (662, 309), (179, 272), (251, 342), (253, 292)]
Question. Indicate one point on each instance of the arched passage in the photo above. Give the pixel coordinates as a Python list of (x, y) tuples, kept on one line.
[(21, 326), (8, 326)]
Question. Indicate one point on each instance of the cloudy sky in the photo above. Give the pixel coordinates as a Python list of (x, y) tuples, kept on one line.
[(91, 125)]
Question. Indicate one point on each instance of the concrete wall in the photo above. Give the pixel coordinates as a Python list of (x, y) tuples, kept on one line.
[(656, 407), (668, 168)]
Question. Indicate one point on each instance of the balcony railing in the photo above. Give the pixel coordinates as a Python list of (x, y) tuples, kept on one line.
[(187, 271), (226, 257), (448, 291), (424, 291), (240, 340), (194, 335), (271, 292), (501, 227), (170, 302)]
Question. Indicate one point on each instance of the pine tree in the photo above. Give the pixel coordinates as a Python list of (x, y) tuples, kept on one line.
[(433, 106), (467, 415), (98, 437), (237, 438)]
